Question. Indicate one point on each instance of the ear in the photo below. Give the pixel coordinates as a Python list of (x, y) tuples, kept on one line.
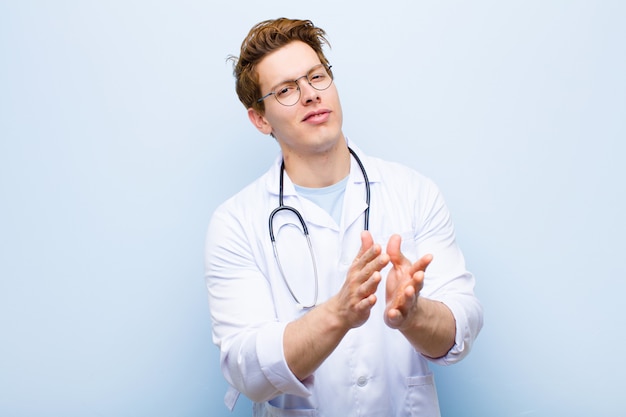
[(259, 121)]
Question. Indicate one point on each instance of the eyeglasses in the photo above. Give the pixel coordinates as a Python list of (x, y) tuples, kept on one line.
[(288, 93)]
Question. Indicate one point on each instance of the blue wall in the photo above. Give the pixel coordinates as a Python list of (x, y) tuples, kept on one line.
[(120, 133)]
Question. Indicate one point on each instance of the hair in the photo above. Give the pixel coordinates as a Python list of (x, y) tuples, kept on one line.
[(264, 38)]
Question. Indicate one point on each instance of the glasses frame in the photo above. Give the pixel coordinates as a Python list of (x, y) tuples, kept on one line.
[(326, 67)]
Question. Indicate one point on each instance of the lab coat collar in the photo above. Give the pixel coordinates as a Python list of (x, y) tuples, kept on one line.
[(356, 177), (355, 198), (354, 201)]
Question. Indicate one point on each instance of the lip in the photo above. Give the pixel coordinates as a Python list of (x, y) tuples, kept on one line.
[(319, 115)]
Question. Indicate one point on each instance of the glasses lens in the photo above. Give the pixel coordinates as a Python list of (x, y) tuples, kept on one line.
[(287, 93), (319, 78)]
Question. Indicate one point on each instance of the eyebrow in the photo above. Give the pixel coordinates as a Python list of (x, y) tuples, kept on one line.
[(290, 80)]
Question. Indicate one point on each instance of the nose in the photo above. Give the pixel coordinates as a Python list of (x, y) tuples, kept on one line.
[(308, 94)]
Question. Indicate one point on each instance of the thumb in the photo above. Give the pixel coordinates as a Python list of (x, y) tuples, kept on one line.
[(393, 250)]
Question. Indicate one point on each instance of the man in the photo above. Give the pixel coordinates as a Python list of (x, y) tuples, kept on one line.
[(314, 315)]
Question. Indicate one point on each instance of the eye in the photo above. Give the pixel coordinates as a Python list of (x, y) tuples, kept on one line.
[(286, 89), (318, 73), (318, 76)]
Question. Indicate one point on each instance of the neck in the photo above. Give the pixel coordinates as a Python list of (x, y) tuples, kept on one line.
[(319, 169)]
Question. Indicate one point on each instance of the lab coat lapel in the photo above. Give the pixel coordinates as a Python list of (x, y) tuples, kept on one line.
[(311, 212), (354, 203)]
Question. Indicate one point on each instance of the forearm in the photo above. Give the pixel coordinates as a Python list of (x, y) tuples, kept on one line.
[(431, 329), (308, 341)]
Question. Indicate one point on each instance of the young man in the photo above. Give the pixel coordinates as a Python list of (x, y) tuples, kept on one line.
[(312, 313)]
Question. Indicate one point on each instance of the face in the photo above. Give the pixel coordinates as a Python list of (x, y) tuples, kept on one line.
[(311, 126)]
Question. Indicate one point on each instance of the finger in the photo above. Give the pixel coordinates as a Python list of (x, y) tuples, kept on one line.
[(404, 299), (371, 260), (366, 238), (417, 280), (369, 287), (405, 296), (393, 250), (394, 318), (367, 303), (367, 251), (421, 264), (367, 241)]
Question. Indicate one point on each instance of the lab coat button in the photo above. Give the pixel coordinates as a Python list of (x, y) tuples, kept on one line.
[(362, 381)]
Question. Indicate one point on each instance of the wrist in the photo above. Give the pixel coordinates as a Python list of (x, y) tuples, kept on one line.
[(331, 315)]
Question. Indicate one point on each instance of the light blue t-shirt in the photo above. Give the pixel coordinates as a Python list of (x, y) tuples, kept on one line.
[(329, 198)]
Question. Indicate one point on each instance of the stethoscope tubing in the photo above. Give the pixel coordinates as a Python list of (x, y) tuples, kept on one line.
[(305, 229)]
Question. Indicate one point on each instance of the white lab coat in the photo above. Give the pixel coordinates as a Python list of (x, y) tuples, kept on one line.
[(374, 371)]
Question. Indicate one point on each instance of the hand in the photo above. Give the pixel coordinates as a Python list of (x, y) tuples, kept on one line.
[(309, 340), (404, 283), (356, 298)]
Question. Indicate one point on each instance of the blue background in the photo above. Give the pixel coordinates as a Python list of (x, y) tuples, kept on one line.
[(120, 133)]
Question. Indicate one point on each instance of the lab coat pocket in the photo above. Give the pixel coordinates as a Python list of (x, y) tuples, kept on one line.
[(268, 410), (421, 397), (408, 246)]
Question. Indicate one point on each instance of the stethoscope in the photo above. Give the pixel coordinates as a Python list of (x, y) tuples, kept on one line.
[(305, 230)]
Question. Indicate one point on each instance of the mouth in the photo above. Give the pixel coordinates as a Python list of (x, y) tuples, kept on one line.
[(317, 116)]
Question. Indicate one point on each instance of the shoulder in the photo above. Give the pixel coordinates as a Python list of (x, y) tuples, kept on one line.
[(398, 176), (391, 177)]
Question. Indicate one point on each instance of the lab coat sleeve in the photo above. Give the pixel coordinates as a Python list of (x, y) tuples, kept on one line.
[(447, 279), (245, 327)]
